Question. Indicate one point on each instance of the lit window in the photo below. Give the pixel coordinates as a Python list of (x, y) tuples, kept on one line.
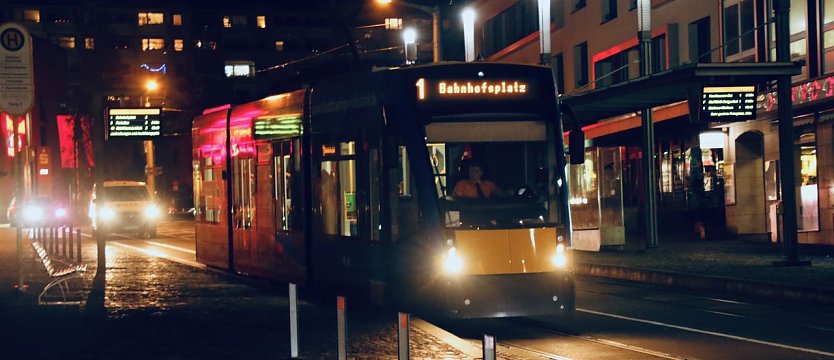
[(279, 45), (198, 44), (32, 16), (89, 43), (239, 69), (177, 20), (153, 44), (178, 44), (393, 24), (66, 42), (261, 22), (148, 18), (227, 21)]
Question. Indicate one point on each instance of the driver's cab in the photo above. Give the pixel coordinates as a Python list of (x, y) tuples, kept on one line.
[(499, 183)]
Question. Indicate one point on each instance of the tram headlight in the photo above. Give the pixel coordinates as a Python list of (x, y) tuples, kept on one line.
[(452, 262), (560, 260)]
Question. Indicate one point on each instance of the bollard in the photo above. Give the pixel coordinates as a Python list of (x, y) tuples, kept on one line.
[(489, 347), (78, 248), (293, 322), (340, 319), (403, 336), (71, 245)]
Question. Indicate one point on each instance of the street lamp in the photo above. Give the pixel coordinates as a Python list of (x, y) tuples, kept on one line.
[(468, 16), (434, 11), (409, 37)]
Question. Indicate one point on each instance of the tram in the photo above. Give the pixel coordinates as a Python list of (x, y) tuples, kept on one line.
[(351, 186)]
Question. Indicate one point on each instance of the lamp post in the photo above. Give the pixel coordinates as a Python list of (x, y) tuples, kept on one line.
[(644, 33), (410, 48), (434, 11), (150, 165), (468, 17)]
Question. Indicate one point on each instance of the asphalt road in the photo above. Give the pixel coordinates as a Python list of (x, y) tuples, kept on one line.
[(614, 320)]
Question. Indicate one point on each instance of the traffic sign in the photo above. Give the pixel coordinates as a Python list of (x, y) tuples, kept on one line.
[(17, 79)]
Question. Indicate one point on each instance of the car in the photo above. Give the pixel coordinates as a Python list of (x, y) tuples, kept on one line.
[(124, 205), (37, 211)]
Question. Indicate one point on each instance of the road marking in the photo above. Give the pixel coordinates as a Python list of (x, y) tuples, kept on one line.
[(706, 332), (160, 254), (172, 247)]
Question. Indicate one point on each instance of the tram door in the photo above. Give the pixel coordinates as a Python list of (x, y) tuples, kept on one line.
[(287, 182), (244, 212)]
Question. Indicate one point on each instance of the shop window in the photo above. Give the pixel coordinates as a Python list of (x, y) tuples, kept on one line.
[(149, 18), (805, 149)]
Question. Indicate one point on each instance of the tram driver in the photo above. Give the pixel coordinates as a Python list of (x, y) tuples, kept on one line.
[(475, 186)]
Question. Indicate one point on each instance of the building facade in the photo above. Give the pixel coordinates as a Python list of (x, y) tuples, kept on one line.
[(724, 168)]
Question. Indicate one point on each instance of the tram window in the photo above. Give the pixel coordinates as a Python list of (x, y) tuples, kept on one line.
[(244, 196), (437, 154), (404, 214), (338, 197), (376, 207), (283, 184), (207, 206)]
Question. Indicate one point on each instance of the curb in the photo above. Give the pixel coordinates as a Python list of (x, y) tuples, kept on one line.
[(823, 296)]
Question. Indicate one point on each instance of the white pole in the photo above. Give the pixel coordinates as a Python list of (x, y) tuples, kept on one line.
[(468, 16), (293, 322), (544, 31)]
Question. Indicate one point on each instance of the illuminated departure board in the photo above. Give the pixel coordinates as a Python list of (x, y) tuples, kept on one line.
[(728, 103), (134, 123)]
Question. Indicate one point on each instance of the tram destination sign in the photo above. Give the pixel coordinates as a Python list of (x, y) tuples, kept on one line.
[(134, 123), (727, 103)]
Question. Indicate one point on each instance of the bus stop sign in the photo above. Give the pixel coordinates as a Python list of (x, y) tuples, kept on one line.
[(17, 80)]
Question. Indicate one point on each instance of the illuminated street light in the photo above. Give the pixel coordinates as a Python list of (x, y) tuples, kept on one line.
[(434, 11), (468, 16), (409, 37), (151, 85)]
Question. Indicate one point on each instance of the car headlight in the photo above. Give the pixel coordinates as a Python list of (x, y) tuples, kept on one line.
[(452, 262), (151, 212), (560, 260), (60, 212), (106, 214), (33, 213)]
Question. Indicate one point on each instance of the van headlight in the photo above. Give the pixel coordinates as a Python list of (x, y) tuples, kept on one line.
[(452, 262), (106, 213), (151, 212), (560, 260)]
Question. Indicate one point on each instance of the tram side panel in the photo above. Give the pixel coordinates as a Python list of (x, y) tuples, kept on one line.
[(212, 243)]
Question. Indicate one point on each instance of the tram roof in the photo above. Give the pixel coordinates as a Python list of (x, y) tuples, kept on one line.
[(669, 86)]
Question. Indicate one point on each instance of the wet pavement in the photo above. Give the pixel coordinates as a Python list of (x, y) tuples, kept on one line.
[(145, 307)]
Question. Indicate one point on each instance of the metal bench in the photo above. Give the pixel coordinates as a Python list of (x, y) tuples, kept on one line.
[(60, 274)]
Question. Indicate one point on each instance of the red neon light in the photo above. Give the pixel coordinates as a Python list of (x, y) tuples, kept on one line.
[(216, 109)]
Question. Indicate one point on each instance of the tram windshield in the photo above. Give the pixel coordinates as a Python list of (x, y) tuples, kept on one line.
[(498, 182)]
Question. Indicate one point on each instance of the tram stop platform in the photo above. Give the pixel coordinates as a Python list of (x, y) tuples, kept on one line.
[(146, 307)]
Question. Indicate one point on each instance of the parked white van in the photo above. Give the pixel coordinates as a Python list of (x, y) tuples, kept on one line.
[(126, 205)]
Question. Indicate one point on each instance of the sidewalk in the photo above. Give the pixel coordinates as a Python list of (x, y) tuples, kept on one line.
[(730, 264)]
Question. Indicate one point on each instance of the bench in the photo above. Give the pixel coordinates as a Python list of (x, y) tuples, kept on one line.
[(60, 275)]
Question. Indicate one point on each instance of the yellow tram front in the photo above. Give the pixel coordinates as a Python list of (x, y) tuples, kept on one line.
[(494, 171)]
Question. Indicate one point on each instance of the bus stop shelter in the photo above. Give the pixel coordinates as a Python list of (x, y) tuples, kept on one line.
[(675, 85)]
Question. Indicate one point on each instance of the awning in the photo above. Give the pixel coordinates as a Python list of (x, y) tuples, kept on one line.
[(667, 87)]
